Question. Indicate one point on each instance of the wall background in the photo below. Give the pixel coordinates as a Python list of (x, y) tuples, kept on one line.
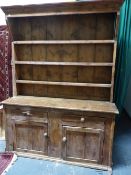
[(23, 2), (5, 64), (122, 91)]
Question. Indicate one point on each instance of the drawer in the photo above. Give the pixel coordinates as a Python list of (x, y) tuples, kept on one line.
[(83, 121), (28, 113)]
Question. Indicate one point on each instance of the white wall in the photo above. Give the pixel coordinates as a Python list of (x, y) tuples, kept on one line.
[(23, 2), (2, 18)]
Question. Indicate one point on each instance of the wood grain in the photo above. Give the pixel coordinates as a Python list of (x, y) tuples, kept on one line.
[(63, 103), (63, 75), (89, 6)]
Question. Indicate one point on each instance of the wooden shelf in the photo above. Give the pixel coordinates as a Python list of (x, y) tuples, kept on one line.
[(74, 59), (64, 83), (66, 42), (52, 14), (63, 63)]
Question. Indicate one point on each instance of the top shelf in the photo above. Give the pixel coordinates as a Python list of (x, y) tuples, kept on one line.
[(65, 42), (52, 14), (89, 6)]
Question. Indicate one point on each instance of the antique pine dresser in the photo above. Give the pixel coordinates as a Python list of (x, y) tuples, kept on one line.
[(63, 64)]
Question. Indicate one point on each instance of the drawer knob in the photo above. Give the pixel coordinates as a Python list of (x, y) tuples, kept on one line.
[(27, 113), (64, 139), (82, 119), (45, 134)]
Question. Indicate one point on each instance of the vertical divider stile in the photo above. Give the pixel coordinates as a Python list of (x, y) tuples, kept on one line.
[(13, 71), (114, 56)]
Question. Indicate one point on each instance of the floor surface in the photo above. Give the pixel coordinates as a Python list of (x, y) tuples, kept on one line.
[(121, 158)]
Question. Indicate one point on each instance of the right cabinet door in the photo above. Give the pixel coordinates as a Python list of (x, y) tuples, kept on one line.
[(82, 144)]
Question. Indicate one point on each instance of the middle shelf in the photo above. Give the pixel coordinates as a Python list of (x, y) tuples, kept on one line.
[(63, 63), (64, 83), (65, 42)]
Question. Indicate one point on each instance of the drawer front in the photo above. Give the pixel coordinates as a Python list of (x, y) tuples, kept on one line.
[(28, 113), (83, 121)]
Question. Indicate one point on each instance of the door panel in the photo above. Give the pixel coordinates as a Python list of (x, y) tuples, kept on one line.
[(82, 144), (30, 135)]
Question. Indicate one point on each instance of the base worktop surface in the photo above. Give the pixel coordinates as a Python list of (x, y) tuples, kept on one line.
[(61, 103)]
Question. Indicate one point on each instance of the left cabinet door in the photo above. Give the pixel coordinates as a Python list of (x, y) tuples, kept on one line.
[(30, 132)]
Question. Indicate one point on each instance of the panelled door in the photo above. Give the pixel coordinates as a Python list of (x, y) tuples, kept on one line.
[(82, 144), (30, 134)]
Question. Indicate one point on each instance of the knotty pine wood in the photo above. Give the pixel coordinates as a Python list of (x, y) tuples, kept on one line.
[(24, 122), (70, 31), (63, 63), (60, 103), (92, 6), (65, 74), (63, 59), (62, 73), (71, 27), (84, 52), (114, 55)]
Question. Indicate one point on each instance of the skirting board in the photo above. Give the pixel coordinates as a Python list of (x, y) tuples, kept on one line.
[(88, 165)]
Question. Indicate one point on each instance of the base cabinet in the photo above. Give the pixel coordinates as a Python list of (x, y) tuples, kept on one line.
[(71, 136)]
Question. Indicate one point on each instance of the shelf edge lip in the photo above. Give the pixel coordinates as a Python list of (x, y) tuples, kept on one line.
[(65, 42), (64, 63), (20, 15), (89, 5), (99, 85)]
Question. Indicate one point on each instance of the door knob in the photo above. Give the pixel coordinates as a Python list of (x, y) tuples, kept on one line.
[(27, 113), (64, 139), (82, 119), (45, 134)]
